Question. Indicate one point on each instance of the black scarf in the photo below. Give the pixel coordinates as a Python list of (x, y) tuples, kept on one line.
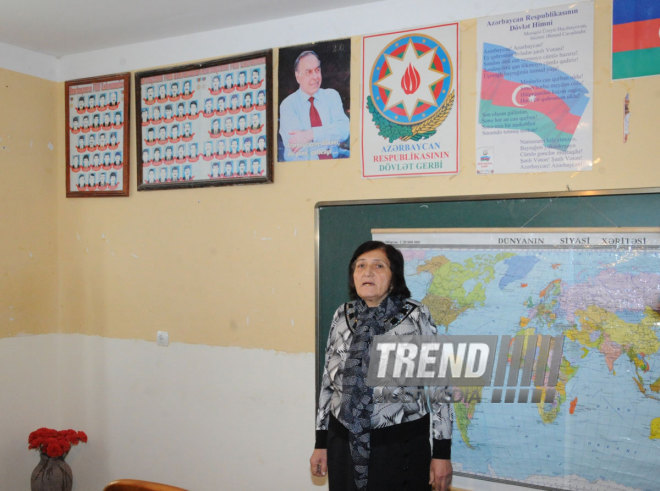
[(357, 407)]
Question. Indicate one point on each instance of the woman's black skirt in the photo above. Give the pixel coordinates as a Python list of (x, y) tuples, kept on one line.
[(399, 459)]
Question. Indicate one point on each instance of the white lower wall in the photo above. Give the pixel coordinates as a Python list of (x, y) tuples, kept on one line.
[(204, 418), (201, 417)]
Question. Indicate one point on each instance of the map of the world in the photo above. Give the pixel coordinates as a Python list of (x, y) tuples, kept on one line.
[(601, 290)]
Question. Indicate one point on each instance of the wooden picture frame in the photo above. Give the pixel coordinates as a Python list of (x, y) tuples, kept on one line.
[(97, 136), (206, 124)]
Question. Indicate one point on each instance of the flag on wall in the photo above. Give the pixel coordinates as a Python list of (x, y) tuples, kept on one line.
[(635, 38), (525, 95)]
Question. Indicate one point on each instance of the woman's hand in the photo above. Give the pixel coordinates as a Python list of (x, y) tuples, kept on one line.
[(440, 474), (319, 462)]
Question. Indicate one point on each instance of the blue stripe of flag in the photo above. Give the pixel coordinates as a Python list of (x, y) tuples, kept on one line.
[(625, 11)]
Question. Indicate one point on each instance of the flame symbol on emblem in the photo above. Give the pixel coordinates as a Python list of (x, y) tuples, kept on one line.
[(410, 80)]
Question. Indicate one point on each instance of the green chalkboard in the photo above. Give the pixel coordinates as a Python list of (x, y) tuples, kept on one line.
[(342, 226)]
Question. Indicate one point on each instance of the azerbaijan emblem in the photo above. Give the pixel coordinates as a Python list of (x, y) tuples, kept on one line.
[(411, 87)]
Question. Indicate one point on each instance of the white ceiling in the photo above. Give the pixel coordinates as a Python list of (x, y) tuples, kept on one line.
[(65, 27)]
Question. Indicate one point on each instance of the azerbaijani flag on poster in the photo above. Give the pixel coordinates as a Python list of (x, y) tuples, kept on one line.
[(525, 95), (635, 38)]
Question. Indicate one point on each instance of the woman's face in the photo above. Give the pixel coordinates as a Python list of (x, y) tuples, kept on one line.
[(372, 277)]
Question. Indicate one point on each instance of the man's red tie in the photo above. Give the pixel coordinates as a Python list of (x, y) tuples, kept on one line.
[(314, 118)]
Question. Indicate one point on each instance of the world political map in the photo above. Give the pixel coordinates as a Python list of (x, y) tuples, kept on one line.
[(601, 291)]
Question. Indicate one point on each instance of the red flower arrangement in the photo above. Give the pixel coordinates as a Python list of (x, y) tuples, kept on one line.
[(55, 443)]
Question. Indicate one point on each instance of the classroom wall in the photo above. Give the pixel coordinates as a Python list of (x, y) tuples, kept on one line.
[(227, 271)]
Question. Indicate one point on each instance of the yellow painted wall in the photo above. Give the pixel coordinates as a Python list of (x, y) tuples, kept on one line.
[(29, 143), (234, 266)]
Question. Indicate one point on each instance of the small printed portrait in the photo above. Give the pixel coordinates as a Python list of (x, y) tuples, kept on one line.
[(151, 135), (261, 144), (150, 94), (162, 134), (102, 101), (215, 84), (169, 153), (229, 82), (216, 129), (75, 123), (118, 159), (96, 161), (174, 91), (81, 104), (91, 180), (114, 101), (181, 111), (255, 80), (247, 101), (91, 142), (242, 125), (247, 146), (234, 148), (82, 182), (162, 92), (220, 153), (175, 173), (181, 153), (150, 177), (234, 104), (187, 130), (256, 167), (91, 102), (113, 179), (156, 115), (107, 160), (215, 170), (157, 156), (146, 156), (113, 139), (242, 168), (101, 180), (81, 143), (175, 133), (118, 121), (102, 141), (255, 122), (229, 169), (85, 161), (314, 91), (261, 99), (220, 105), (169, 113), (242, 79), (75, 161), (187, 88), (107, 121), (162, 174), (96, 121), (85, 122), (192, 113), (208, 107), (187, 173), (229, 126)]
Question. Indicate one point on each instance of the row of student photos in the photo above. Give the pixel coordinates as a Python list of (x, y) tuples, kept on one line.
[(224, 111), (96, 127)]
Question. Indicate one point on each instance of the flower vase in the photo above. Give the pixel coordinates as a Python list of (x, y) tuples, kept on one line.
[(51, 474)]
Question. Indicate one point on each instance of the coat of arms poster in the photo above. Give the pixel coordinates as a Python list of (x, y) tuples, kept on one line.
[(410, 103)]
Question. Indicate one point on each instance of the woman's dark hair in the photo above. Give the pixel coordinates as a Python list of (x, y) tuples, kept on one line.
[(394, 256)]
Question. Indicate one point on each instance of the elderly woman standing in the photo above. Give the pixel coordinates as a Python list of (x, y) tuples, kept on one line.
[(363, 442)]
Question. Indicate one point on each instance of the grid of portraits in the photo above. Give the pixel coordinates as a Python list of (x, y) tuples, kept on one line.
[(205, 124), (96, 137)]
